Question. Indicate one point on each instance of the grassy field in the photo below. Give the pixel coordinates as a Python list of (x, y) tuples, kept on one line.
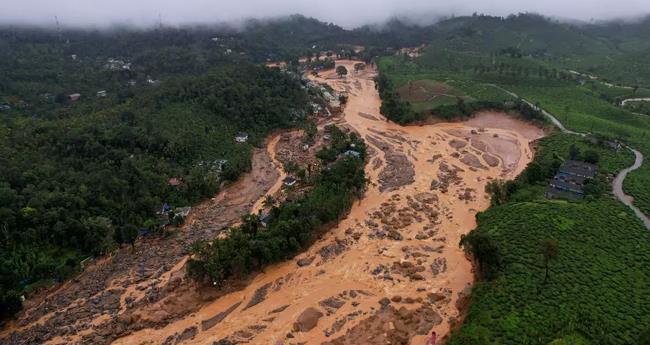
[(598, 290), (429, 94)]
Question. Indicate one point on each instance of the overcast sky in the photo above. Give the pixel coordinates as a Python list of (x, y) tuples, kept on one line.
[(347, 13)]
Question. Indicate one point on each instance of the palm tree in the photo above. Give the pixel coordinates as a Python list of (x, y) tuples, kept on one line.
[(550, 253)]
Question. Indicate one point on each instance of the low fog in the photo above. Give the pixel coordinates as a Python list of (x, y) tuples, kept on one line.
[(143, 13)]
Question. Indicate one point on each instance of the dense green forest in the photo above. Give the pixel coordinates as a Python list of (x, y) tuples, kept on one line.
[(82, 174), (293, 225), (596, 291), (79, 185)]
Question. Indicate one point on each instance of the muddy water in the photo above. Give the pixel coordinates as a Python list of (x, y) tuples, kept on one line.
[(401, 243)]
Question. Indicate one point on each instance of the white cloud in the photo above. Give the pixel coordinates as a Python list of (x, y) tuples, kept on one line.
[(347, 13)]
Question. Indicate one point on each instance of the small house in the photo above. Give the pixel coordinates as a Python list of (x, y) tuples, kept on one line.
[(174, 181), (74, 97), (241, 137), (614, 145), (352, 153), (289, 181), (265, 218), (182, 211), (577, 168), (101, 93), (569, 182), (5, 106)]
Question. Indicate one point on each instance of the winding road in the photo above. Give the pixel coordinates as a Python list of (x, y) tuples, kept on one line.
[(646, 99), (617, 185)]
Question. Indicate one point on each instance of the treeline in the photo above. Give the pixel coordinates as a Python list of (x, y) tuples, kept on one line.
[(392, 106), (402, 112), (79, 186), (503, 69), (463, 109), (292, 225)]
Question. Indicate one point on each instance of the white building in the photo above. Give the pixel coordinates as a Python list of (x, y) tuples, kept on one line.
[(241, 137)]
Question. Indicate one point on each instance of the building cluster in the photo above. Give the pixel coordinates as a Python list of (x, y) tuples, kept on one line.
[(113, 64), (569, 182)]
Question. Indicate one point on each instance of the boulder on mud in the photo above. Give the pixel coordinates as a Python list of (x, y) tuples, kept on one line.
[(305, 261), (457, 144), (490, 159), (307, 320)]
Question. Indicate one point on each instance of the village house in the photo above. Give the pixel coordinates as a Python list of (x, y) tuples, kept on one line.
[(101, 93), (289, 181), (265, 218), (174, 181), (352, 153), (570, 180), (241, 137), (5, 106), (74, 97)]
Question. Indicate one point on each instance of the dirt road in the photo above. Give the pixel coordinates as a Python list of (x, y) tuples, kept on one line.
[(392, 270)]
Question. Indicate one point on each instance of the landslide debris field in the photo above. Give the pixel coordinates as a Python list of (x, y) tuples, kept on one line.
[(391, 271)]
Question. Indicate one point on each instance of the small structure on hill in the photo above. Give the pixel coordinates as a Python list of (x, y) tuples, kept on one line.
[(352, 153), (569, 182), (241, 137), (74, 97), (175, 181), (101, 93), (289, 181)]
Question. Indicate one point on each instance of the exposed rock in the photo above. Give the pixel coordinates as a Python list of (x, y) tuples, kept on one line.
[(305, 261), (259, 296), (457, 144), (307, 320), (390, 326), (438, 266), (331, 303), (211, 322), (279, 310), (472, 161), (490, 159)]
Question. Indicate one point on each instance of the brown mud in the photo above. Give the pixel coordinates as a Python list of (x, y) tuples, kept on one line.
[(390, 271)]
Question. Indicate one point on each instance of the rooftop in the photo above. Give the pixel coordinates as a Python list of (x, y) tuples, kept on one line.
[(578, 168)]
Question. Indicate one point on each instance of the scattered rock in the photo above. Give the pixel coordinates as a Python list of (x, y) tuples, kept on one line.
[(307, 320), (305, 261)]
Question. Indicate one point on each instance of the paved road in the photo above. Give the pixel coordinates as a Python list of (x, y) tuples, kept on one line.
[(646, 99), (617, 185)]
